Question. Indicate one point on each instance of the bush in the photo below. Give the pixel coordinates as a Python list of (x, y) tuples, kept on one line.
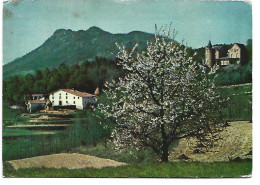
[(234, 74)]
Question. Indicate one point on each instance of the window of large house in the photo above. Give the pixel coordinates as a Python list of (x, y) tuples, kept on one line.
[(52, 101), (78, 97), (66, 101), (66, 93), (66, 97), (225, 62), (52, 97), (60, 94), (73, 102), (60, 97), (74, 97)]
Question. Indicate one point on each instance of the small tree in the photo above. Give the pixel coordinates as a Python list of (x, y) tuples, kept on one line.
[(164, 96)]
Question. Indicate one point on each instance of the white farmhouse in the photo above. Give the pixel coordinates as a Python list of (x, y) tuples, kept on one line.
[(71, 98)]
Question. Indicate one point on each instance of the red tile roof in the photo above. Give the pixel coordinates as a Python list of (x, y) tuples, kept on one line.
[(36, 101), (37, 94), (76, 93)]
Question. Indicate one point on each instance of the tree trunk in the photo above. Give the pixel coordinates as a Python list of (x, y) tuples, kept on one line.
[(165, 146), (165, 153)]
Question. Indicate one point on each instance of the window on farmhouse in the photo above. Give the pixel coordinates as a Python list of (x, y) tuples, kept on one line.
[(66, 101), (66, 97), (78, 97), (60, 97), (74, 97), (73, 102)]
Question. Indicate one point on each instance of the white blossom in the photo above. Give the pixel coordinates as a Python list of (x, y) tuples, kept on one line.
[(163, 96)]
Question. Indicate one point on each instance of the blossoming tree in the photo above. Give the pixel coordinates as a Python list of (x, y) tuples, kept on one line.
[(164, 96)]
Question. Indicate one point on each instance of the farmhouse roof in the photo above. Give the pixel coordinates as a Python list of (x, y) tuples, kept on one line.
[(37, 94), (76, 93), (36, 101)]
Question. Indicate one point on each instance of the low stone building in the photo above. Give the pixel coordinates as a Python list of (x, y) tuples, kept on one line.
[(35, 105)]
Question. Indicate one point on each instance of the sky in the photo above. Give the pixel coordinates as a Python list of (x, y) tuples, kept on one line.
[(27, 24)]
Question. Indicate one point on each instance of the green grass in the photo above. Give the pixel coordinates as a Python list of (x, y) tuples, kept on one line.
[(241, 89), (240, 108), (177, 169), (21, 143), (11, 116), (103, 150), (31, 144), (18, 132)]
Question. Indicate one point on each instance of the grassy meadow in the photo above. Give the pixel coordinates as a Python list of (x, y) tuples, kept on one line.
[(82, 134), (168, 170), (240, 108)]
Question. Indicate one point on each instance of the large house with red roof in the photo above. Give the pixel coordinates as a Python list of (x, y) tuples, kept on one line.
[(71, 98)]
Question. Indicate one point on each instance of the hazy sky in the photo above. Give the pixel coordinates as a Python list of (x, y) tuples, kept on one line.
[(27, 24)]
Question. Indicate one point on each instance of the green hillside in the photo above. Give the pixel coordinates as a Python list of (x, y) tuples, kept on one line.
[(71, 47)]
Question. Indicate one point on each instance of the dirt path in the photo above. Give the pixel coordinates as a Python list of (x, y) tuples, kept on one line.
[(65, 160)]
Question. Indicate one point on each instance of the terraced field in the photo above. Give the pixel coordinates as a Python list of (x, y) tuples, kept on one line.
[(26, 135)]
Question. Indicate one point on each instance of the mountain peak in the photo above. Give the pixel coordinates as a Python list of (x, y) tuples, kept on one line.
[(135, 32), (62, 31), (95, 29), (72, 47)]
